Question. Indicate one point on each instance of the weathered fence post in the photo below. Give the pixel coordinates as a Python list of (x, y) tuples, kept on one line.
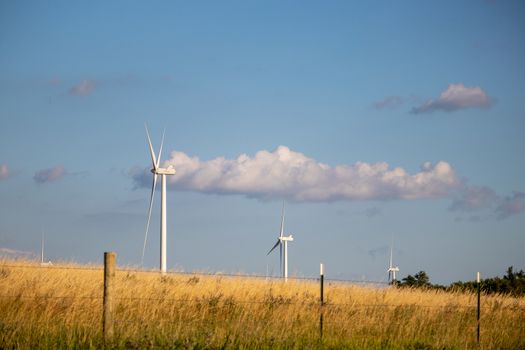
[(479, 303), (321, 279), (109, 283)]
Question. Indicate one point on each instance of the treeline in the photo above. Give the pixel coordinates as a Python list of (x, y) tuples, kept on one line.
[(512, 283)]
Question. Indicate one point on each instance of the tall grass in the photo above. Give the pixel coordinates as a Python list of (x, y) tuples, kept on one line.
[(61, 307)]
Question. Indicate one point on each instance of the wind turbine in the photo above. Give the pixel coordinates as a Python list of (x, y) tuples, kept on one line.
[(42, 250), (156, 170), (282, 240), (392, 269), (42, 263)]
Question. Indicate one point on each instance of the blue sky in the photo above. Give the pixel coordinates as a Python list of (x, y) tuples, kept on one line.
[(400, 120)]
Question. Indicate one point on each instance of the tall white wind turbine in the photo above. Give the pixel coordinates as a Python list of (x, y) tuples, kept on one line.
[(391, 268), (163, 172), (282, 242)]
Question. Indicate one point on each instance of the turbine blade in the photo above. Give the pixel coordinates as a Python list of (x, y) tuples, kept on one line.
[(160, 151), (153, 186), (281, 257), (282, 222), (390, 257), (276, 244), (391, 250), (153, 158)]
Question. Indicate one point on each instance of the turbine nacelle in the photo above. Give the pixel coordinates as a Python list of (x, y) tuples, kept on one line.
[(286, 238), (164, 171)]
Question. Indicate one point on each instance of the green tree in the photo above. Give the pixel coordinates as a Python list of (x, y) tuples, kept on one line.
[(420, 279), (512, 283)]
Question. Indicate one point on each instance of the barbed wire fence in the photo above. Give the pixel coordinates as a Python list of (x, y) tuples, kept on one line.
[(202, 273), (322, 307)]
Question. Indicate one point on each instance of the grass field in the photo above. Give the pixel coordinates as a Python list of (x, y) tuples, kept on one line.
[(61, 307)]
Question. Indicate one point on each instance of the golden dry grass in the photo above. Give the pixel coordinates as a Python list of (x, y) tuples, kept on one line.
[(61, 306)]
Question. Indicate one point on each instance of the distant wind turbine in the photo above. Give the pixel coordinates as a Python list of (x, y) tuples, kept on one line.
[(42, 263), (391, 268), (156, 170), (42, 250), (282, 240)]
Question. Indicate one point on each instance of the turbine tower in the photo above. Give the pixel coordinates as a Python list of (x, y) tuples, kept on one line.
[(42, 263), (156, 170), (42, 250), (282, 240), (392, 269)]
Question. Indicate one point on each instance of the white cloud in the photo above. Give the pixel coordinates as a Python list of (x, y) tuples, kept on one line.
[(292, 175), (455, 97), (49, 175), (479, 199), (4, 171), (473, 198), (84, 88)]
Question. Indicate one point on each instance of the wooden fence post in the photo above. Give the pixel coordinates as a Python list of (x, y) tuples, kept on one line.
[(479, 303), (321, 280), (109, 283)]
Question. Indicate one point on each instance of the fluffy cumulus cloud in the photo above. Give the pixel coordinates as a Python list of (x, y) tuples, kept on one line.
[(284, 173), (484, 199), (49, 175), (84, 88), (455, 97), (4, 171)]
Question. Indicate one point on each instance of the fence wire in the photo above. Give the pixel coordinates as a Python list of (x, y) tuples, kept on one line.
[(200, 273), (228, 302)]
